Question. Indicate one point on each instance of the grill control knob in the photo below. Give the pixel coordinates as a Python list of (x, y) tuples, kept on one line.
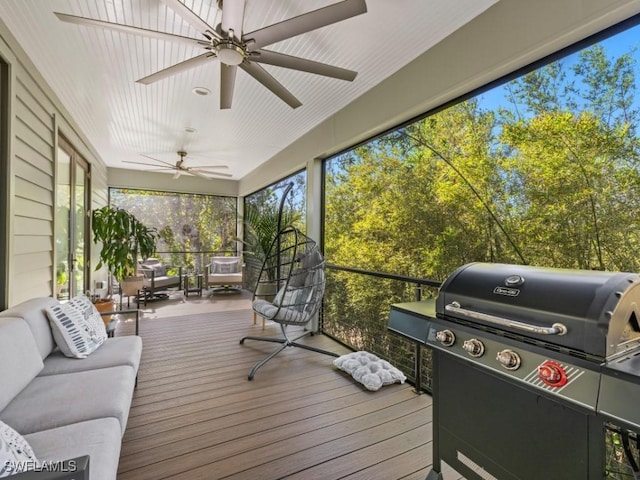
[(446, 337), (552, 374), (509, 359), (473, 347)]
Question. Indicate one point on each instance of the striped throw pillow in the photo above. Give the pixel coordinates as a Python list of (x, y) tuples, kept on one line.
[(16, 455), (77, 327)]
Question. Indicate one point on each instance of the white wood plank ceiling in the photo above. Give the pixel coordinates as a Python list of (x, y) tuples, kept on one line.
[(94, 71)]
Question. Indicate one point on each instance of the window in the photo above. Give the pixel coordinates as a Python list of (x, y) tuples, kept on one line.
[(191, 227), (543, 169)]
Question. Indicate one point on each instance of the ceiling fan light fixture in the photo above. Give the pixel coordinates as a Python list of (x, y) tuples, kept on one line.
[(230, 53), (202, 91)]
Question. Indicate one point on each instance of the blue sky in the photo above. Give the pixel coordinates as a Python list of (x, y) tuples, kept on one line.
[(614, 47)]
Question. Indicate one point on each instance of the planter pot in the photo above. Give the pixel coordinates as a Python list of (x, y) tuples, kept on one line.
[(130, 286), (105, 305)]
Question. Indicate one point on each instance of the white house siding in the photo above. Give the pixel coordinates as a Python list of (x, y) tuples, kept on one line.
[(35, 118)]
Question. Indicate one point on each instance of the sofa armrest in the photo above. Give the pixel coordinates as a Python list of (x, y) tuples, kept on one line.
[(72, 469)]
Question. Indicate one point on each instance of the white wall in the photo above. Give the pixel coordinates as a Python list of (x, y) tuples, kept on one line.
[(35, 118), (124, 178)]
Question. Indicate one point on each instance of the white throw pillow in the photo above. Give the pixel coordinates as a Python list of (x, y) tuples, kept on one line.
[(77, 327), (16, 455), (226, 266), (369, 370)]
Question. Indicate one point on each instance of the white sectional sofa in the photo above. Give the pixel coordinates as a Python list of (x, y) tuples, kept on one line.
[(64, 407)]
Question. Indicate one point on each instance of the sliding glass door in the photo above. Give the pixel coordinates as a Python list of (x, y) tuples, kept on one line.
[(72, 222)]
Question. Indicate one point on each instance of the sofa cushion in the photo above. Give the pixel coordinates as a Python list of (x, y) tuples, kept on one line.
[(100, 439), (77, 327), (113, 352), (32, 311), (56, 400), (16, 455), (20, 359)]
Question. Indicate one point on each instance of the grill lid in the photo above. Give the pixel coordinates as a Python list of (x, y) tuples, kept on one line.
[(588, 312)]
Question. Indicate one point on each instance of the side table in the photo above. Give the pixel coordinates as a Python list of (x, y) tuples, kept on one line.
[(192, 283)]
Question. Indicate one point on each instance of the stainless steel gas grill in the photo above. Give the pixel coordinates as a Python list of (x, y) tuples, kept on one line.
[(531, 366)]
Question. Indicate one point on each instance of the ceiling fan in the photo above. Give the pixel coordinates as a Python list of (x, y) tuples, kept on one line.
[(180, 168), (233, 48)]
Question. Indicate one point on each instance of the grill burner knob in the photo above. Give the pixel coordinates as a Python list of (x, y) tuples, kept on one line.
[(509, 359), (473, 347), (552, 374), (446, 337)]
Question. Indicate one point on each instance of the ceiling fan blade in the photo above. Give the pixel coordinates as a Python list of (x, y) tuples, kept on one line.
[(304, 23), (200, 173), (296, 63), (177, 174), (227, 84), (170, 165), (261, 75), (265, 78), (233, 17), (205, 167), (126, 28), (191, 17), (156, 166), (177, 68), (197, 174)]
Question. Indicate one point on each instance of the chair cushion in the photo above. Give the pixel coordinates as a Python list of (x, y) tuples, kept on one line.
[(225, 265), (152, 267), (290, 298), (16, 455), (20, 359), (77, 327), (369, 370)]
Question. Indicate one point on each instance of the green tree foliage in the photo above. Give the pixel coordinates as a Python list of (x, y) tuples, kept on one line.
[(186, 223), (550, 176)]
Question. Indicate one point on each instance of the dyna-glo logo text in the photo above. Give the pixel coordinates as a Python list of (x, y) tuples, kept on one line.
[(509, 292)]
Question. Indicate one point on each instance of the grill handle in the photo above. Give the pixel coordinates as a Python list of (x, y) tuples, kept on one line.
[(555, 329)]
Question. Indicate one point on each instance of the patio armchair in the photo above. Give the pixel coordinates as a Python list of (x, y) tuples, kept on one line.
[(158, 278), (225, 273)]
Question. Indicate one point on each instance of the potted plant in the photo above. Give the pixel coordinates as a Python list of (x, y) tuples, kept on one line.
[(260, 229), (124, 239)]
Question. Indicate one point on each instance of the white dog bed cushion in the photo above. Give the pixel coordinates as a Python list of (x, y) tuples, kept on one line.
[(369, 370)]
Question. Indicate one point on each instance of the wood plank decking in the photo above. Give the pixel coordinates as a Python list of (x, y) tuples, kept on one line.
[(196, 416)]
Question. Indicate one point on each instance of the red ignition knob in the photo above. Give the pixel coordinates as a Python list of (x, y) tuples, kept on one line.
[(552, 374)]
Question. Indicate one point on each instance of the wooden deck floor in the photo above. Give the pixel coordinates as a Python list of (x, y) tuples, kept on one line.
[(196, 416)]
